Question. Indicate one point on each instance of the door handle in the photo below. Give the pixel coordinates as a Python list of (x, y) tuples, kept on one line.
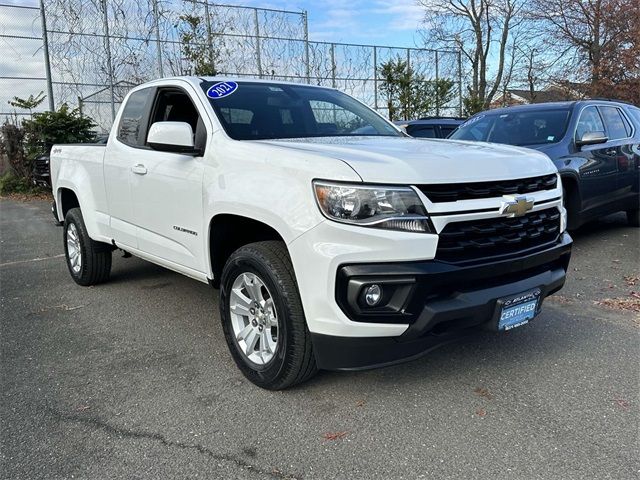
[(611, 151), (139, 169)]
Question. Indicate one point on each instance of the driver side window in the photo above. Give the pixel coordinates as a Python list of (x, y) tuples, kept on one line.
[(589, 121), (175, 105)]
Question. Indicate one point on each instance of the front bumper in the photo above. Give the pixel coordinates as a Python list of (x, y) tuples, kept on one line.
[(446, 301)]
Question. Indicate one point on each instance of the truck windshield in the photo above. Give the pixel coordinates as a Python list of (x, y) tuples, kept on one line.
[(531, 127), (256, 111)]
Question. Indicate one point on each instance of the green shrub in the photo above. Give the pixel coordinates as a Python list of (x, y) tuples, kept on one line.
[(22, 144), (45, 129), (10, 183)]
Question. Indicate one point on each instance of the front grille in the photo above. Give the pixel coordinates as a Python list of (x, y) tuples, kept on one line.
[(469, 191), (475, 239), (41, 166)]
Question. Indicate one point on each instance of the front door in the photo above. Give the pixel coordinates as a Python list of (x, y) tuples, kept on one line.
[(122, 149), (167, 190), (599, 171)]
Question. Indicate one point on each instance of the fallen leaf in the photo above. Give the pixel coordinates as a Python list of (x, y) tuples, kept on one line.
[(481, 412), (360, 403), (82, 408), (483, 392), (622, 403), (334, 435), (558, 299), (632, 304), (631, 280)]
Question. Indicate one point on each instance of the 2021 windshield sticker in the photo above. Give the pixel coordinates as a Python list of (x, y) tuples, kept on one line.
[(221, 89)]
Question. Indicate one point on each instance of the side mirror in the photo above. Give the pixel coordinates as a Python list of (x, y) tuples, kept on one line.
[(591, 138), (172, 137)]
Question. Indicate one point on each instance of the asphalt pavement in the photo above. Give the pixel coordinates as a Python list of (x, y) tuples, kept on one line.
[(133, 379)]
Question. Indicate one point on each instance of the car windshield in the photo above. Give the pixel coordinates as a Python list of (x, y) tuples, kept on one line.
[(529, 127), (255, 111)]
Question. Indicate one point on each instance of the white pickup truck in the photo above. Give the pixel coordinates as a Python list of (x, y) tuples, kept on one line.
[(337, 242)]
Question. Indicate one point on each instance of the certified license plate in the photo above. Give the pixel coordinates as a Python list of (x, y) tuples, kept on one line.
[(517, 311)]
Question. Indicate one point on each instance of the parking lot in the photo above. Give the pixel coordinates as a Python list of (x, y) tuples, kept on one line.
[(133, 379)]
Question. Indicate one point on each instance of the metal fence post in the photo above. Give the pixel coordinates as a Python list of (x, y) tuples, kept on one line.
[(333, 65), (437, 89), (105, 18), (375, 77), (156, 21), (47, 64), (459, 83), (305, 19), (257, 30), (407, 105), (210, 37)]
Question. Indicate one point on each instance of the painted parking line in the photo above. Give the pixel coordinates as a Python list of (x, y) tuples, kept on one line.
[(18, 262)]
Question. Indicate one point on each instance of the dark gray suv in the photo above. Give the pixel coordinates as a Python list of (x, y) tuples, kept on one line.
[(594, 143)]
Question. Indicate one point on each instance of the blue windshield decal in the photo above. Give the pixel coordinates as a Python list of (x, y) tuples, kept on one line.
[(221, 89)]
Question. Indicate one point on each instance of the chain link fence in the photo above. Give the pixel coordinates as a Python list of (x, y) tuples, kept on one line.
[(89, 53)]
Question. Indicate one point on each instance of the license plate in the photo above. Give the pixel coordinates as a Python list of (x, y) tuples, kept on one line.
[(517, 311)]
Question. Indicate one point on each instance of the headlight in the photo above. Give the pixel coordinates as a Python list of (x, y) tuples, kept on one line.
[(393, 208)]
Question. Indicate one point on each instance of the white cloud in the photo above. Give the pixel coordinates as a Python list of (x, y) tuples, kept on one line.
[(402, 16)]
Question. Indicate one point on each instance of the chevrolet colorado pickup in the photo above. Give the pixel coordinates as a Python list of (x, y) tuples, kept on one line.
[(337, 242)]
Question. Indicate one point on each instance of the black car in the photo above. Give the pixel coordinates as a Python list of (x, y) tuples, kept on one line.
[(431, 127), (41, 173), (594, 143)]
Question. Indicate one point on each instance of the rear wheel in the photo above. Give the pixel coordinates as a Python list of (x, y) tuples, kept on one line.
[(263, 319), (89, 262), (633, 217)]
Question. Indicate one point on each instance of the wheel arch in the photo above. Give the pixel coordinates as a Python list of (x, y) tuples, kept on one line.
[(66, 200), (228, 232)]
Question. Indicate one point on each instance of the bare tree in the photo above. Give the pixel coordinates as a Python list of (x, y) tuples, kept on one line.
[(481, 29), (597, 39)]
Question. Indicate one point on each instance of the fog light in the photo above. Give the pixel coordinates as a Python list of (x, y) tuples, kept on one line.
[(373, 295)]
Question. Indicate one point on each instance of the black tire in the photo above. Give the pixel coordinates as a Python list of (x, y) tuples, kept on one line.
[(633, 217), (293, 361), (95, 256)]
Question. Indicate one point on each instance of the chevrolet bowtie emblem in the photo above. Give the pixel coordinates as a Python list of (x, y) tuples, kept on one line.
[(515, 206)]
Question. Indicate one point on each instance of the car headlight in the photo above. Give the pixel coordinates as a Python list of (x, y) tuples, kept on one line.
[(393, 208)]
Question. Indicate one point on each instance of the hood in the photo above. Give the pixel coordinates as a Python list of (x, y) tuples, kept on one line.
[(410, 161)]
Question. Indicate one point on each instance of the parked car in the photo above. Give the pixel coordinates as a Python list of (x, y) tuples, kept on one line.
[(431, 127), (331, 249), (594, 143), (41, 172)]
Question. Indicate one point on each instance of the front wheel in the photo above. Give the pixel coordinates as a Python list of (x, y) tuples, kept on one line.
[(89, 262), (262, 317)]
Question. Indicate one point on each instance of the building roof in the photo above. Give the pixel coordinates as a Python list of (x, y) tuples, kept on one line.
[(552, 94)]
